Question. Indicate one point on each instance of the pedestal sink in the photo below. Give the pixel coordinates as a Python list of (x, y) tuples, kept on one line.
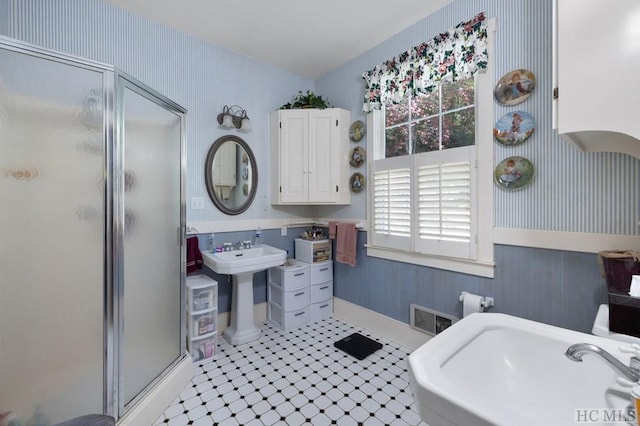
[(241, 265)]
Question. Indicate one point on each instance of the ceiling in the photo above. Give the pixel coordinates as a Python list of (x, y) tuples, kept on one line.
[(304, 37)]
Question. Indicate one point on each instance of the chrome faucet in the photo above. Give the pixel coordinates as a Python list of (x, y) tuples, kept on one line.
[(577, 351)]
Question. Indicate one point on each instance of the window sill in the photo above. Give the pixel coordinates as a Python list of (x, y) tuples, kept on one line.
[(482, 268)]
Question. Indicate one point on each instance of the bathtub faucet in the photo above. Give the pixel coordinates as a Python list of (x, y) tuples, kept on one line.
[(577, 351)]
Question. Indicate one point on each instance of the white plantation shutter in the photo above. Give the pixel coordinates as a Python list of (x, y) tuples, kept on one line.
[(391, 203), (445, 203)]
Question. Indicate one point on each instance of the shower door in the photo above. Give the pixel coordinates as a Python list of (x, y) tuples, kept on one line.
[(91, 237), (52, 237), (150, 216)]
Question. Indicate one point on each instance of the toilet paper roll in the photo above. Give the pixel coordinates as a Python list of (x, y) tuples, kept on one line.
[(471, 303), (634, 291)]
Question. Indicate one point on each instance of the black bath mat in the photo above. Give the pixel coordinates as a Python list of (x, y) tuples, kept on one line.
[(358, 346)]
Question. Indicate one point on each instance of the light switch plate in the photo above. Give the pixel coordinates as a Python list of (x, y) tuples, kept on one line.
[(197, 203), (283, 231)]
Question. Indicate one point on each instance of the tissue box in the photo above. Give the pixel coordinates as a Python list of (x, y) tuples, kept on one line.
[(624, 313)]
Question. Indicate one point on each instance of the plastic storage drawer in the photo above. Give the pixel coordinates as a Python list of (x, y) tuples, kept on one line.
[(321, 310), (321, 292), (294, 299), (203, 348), (290, 277), (321, 272), (202, 324), (289, 320)]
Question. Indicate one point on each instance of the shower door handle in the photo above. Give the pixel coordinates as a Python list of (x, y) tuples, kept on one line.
[(181, 235)]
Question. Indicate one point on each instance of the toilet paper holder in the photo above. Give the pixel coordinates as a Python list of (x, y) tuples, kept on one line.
[(486, 302)]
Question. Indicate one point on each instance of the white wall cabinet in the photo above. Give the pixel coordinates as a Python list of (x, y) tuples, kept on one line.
[(300, 294), (309, 156), (202, 317), (596, 69)]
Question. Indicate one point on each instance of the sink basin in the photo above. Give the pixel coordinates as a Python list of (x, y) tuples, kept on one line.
[(254, 259), (496, 369), (242, 264)]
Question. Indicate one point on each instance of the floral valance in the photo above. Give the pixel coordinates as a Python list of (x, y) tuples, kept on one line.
[(455, 55)]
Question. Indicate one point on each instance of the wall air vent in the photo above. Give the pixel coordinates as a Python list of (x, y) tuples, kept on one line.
[(429, 321)]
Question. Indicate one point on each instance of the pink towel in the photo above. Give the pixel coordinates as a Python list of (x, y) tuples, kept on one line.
[(346, 238)]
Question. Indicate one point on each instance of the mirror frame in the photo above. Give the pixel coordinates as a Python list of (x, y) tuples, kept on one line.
[(208, 178)]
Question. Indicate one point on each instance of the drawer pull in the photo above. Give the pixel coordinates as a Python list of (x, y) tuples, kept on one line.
[(324, 269), (299, 294), (298, 314), (324, 306), (298, 274), (324, 288)]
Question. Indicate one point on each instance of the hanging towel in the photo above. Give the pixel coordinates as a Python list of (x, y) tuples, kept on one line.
[(332, 230), (194, 257), (346, 237)]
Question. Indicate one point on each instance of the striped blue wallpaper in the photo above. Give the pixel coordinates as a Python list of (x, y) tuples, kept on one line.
[(572, 191), (200, 77)]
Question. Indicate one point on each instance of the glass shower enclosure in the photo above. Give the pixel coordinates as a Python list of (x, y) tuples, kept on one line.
[(91, 237)]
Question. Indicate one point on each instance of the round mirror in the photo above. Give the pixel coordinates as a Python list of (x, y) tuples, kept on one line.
[(231, 174)]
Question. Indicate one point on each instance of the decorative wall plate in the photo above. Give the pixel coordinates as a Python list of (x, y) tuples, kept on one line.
[(357, 182), (514, 87), (513, 173), (514, 128), (357, 157), (356, 131)]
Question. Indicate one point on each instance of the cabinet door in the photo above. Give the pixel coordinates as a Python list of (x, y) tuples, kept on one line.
[(294, 156), (597, 63), (322, 158)]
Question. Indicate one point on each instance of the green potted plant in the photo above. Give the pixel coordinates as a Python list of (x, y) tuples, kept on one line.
[(307, 100)]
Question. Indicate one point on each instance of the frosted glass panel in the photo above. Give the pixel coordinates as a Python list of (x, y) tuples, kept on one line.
[(51, 239), (152, 217)]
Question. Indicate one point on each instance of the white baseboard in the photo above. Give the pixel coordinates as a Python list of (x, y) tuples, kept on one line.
[(147, 410), (380, 324)]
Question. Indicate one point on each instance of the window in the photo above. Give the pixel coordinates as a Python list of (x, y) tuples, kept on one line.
[(430, 187), (432, 121), (427, 172)]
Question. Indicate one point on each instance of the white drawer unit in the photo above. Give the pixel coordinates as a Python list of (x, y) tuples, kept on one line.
[(300, 293), (202, 317), (288, 320), (290, 277), (321, 272), (292, 299), (321, 292), (321, 310), (312, 251)]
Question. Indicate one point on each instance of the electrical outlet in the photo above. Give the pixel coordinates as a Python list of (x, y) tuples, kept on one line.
[(283, 231), (197, 203)]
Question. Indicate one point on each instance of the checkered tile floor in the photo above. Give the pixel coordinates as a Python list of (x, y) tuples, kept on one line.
[(298, 378)]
